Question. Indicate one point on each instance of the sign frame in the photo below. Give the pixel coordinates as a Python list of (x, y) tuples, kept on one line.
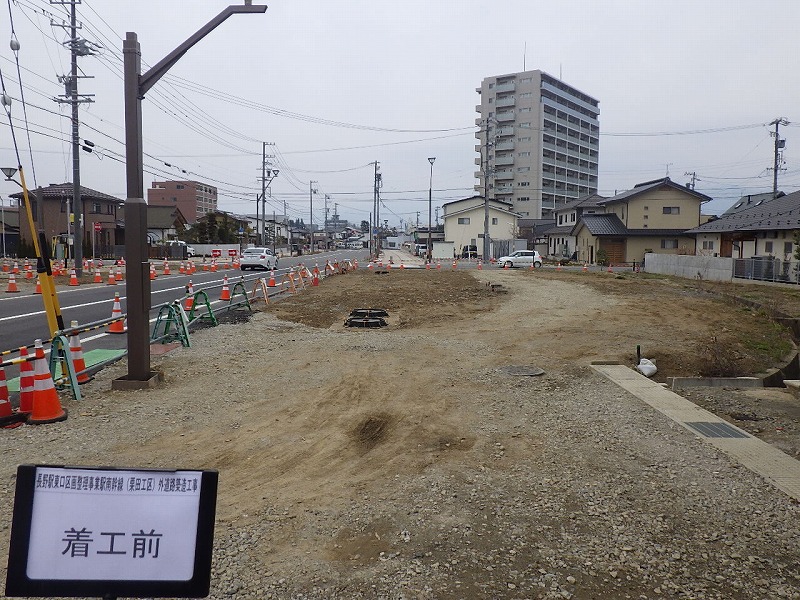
[(18, 584)]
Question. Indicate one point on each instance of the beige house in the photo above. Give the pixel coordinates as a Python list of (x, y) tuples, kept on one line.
[(464, 222), (654, 216)]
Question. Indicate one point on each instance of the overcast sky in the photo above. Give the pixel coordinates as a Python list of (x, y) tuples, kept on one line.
[(337, 85)]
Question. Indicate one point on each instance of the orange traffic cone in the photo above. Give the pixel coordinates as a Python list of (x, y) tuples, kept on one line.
[(271, 282), (98, 278), (355, 264), (558, 266), (111, 279), (214, 265), (315, 279), (402, 266), (439, 265), (226, 292), (428, 265), (46, 405), (153, 273), (610, 270), (5, 267), (205, 265), (119, 276), (585, 267), (370, 266), (76, 352), (38, 289), (480, 265), (190, 296), (12, 284), (25, 383), (73, 278), (8, 417), (117, 326), (166, 268), (181, 269), (28, 270), (505, 266)]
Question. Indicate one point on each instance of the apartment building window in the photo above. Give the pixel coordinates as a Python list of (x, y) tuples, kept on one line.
[(768, 247), (787, 247), (180, 186), (572, 218), (560, 219), (524, 184), (525, 109), (708, 245), (523, 169), (646, 207), (491, 86), (672, 210), (96, 208), (491, 100), (524, 199), (463, 220), (526, 80), (109, 209), (526, 125), (669, 244), (644, 217), (526, 95), (524, 154), (523, 139), (494, 220)]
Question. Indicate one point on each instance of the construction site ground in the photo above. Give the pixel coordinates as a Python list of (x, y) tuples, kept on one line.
[(416, 461)]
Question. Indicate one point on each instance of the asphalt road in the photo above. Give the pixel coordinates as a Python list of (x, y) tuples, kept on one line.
[(22, 316)]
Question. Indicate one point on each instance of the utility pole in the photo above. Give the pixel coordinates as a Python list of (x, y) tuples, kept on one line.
[(417, 219), (486, 172), (436, 211), (694, 179), (373, 227), (778, 159), (75, 211), (311, 191), (327, 197), (261, 226)]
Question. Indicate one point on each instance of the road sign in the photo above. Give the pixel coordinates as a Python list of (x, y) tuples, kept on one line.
[(107, 532), (232, 252), (98, 227), (216, 252)]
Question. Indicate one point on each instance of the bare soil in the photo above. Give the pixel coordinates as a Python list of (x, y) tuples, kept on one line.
[(406, 462)]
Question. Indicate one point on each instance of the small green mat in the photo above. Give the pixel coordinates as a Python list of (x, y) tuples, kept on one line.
[(91, 357)]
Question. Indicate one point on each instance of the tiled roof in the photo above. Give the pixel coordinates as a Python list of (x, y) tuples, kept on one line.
[(749, 201), (64, 190), (641, 188), (478, 197), (583, 202), (778, 214), (603, 224)]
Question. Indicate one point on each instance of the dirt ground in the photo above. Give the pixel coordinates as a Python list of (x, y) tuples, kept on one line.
[(403, 462)]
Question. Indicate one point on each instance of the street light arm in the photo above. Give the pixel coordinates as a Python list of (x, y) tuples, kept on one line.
[(149, 79)]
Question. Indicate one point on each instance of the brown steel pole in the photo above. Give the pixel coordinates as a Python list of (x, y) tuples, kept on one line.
[(136, 86)]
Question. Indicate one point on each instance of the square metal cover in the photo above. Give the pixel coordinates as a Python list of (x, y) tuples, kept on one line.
[(716, 429)]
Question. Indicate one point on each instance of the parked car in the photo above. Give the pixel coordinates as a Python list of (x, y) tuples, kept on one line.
[(258, 258), (182, 245), (521, 258), (469, 252), (421, 250)]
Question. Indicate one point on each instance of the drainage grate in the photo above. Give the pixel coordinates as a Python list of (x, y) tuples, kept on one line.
[(363, 313), (716, 429), (522, 370), (364, 322)]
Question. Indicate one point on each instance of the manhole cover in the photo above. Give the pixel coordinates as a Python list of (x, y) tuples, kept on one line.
[(522, 370), (365, 322), (368, 312), (715, 429)]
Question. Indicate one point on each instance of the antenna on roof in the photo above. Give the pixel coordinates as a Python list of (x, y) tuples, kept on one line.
[(524, 55)]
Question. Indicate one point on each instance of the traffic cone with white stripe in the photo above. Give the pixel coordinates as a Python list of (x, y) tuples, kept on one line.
[(585, 267), (181, 269), (271, 282), (38, 289), (190, 296), (8, 417), (166, 270), (153, 273), (117, 326), (119, 276), (28, 270), (226, 292), (73, 278), (12, 284), (112, 280), (46, 405), (25, 383), (76, 352), (98, 278)]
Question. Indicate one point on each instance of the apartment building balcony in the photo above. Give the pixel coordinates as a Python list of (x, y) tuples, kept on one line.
[(503, 175), (503, 190), (505, 131), (503, 116), (479, 121), (502, 88), (567, 96), (503, 102), (504, 145), (502, 161), (478, 161)]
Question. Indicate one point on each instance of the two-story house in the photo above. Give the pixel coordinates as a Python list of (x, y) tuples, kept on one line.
[(560, 241), (654, 216)]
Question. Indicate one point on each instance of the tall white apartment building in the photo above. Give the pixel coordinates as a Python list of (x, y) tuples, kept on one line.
[(543, 141)]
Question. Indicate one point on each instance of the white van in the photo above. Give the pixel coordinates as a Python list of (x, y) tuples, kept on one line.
[(355, 245)]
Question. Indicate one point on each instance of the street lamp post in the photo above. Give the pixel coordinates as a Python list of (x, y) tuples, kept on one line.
[(3, 220), (136, 86), (430, 204)]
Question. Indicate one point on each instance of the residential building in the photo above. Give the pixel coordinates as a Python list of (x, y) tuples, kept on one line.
[(763, 228), (543, 142), (193, 198), (464, 222), (52, 208), (654, 216), (560, 241), (164, 223)]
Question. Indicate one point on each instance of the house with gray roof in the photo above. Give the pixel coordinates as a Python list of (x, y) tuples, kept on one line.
[(560, 241), (764, 228), (653, 216)]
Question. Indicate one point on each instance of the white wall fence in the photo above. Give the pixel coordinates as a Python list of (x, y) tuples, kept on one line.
[(709, 268)]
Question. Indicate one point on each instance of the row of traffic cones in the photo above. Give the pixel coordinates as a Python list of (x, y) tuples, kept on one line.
[(38, 399)]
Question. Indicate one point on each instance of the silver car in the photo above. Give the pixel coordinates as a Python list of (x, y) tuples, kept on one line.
[(521, 258), (258, 258)]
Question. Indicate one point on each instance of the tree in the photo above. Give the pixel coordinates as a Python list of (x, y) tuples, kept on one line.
[(364, 226)]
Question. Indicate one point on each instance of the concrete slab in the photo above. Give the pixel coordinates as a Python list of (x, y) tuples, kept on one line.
[(778, 468)]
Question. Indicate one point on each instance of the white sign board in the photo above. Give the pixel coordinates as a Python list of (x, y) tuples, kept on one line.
[(84, 525)]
